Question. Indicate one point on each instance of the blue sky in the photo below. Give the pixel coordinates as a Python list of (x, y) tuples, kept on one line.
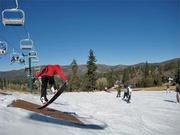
[(119, 31)]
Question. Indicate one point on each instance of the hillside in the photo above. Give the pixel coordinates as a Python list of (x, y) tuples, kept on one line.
[(168, 69), (20, 74)]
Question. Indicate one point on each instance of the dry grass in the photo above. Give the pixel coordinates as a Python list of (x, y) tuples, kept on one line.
[(157, 88)]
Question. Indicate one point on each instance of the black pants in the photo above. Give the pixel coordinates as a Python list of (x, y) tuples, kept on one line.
[(125, 95), (129, 98), (45, 80)]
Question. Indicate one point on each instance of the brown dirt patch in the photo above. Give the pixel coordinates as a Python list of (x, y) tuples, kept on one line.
[(46, 111), (4, 93)]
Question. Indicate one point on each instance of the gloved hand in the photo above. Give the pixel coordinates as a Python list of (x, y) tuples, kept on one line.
[(66, 82), (33, 79)]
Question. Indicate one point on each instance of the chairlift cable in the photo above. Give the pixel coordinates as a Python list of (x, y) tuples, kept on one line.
[(17, 6)]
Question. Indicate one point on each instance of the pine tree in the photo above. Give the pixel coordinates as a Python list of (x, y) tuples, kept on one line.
[(74, 82), (146, 70), (125, 76), (4, 83), (91, 72), (110, 79), (177, 76), (147, 80), (1, 83), (74, 67)]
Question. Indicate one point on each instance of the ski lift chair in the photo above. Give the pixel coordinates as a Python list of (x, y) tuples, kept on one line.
[(26, 44), (33, 54), (13, 21), (35, 60), (3, 47), (36, 68), (35, 64), (2, 51)]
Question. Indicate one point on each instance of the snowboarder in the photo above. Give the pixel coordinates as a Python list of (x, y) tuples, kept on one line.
[(178, 92), (125, 92), (47, 76), (129, 94)]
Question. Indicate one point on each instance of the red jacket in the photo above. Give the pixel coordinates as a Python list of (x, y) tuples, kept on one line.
[(51, 70)]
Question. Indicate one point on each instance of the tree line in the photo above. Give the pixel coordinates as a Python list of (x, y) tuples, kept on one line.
[(144, 75), (141, 75)]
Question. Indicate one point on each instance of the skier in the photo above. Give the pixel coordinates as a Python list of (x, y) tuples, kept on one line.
[(47, 76), (178, 92)]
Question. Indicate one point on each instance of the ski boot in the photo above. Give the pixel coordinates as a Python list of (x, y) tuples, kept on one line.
[(44, 100), (54, 91)]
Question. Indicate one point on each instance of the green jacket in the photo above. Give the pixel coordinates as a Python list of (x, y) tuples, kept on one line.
[(119, 88)]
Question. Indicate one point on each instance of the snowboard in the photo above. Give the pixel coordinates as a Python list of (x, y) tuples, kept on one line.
[(60, 91)]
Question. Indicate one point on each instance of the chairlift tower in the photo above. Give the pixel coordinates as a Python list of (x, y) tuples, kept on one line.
[(30, 75), (32, 57)]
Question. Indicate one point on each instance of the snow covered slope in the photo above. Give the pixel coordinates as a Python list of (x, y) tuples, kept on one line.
[(149, 113)]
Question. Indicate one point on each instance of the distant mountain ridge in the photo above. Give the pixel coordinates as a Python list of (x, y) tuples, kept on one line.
[(102, 68)]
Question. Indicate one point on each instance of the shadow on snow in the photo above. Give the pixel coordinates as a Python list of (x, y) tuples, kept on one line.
[(48, 119), (170, 101)]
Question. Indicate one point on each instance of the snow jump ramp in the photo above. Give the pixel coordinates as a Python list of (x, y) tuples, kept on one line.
[(57, 117)]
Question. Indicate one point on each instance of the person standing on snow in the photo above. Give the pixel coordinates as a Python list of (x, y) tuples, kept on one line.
[(178, 92), (129, 94), (125, 96), (47, 76), (118, 91)]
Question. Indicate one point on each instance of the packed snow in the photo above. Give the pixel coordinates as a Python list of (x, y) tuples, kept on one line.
[(149, 113)]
